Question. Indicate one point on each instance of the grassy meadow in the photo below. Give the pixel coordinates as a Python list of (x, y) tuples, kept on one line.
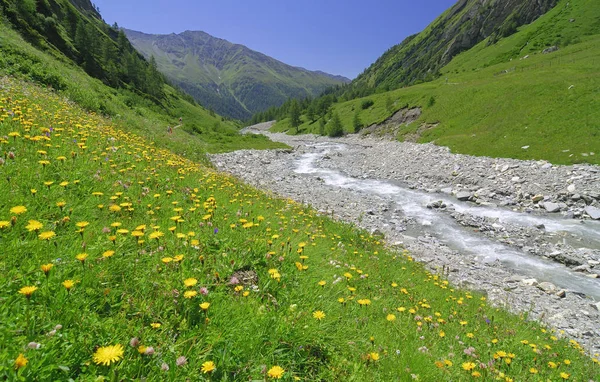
[(123, 261), (492, 101)]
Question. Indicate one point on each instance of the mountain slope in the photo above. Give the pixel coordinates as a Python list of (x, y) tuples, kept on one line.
[(66, 46), (420, 57), (229, 78), (506, 99)]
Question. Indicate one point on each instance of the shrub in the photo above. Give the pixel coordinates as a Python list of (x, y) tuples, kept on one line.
[(367, 104)]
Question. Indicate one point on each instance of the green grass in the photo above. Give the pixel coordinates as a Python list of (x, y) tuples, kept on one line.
[(88, 186), (200, 133), (490, 102)]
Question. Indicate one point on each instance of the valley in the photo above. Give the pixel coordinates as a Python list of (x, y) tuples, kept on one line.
[(483, 222)]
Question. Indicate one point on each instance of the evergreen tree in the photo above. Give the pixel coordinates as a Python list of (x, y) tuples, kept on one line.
[(335, 126), (295, 115), (356, 122)]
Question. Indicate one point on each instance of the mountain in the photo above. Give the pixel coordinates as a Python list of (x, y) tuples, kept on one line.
[(530, 95), (229, 78), (65, 46), (420, 57)]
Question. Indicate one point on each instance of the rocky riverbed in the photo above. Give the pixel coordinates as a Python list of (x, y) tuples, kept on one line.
[(540, 213)]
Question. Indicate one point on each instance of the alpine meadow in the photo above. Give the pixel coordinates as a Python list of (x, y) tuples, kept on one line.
[(127, 255)]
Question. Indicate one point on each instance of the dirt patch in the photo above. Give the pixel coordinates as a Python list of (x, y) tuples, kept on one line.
[(391, 126)]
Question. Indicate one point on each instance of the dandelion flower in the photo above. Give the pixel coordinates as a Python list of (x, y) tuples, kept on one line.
[(108, 354), (21, 361), (107, 254), (208, 367), (468, 366), (564, 375), (322, 283), (46, 268), (319, 315), (18, 210), (4, 224), (81, 257), (374, 356), (47, 235), (205, 305), (276, 372), (27, 291), (34, 225), (68, 284), (190, 294), (190, 282), (390, 317), (155, 325)]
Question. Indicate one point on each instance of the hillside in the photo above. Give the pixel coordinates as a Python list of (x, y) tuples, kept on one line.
[(503, 99), (124, 261), (229, 78), (50, 42), (420, 57)]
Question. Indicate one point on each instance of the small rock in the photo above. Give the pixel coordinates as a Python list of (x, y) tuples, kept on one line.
[(596, 306), (571, 188), (551, 207), (593, 212), (537, 198), (561, 293), (463, 195), (547, 287), (593, 276), (530, 282)]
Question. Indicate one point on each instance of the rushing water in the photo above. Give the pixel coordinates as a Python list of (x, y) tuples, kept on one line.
[(413, 204)]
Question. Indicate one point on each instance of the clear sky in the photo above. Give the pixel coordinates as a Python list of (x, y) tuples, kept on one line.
[(336, 36)]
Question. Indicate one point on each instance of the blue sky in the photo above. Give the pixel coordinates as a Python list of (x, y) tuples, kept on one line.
[(336, 36)]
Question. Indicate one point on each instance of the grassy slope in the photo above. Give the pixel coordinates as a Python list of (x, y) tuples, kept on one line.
[(197, 136), (494, 103), (96, 185)]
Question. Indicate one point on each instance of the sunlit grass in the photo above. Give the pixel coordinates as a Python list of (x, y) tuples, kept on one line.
[(124, 260)]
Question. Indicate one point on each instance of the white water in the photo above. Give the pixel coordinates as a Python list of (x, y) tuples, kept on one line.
[(413, 204)]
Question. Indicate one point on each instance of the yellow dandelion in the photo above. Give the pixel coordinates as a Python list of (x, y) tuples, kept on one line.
[(27, 291), (4, 224), (21, 361), (319, 315), (108, 354), (68, 284), (390, 317), (18, 210), (108, 254), (155, 325), (374, 356), (205, 305), (34, 225), (190, 294), (208, 367), (190, 282), (468, 366), (276, 372), (47, 235), (46, 268)]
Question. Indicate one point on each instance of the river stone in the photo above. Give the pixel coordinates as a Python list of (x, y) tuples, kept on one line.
[(571, 188), (551, 207), (537, 198), (463, 195), (530, 282), (547, 287), (593, 212)]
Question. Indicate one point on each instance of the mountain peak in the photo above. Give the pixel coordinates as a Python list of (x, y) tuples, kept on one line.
[(230, 78)]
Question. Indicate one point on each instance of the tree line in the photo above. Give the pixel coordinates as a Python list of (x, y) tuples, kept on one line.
[(103, 51)]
